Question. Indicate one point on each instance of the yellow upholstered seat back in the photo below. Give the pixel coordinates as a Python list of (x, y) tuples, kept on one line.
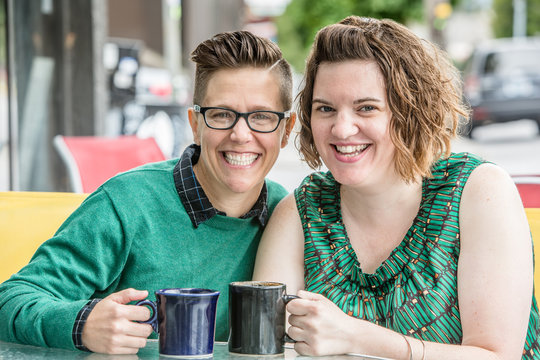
[(27, 219), (533, 215)]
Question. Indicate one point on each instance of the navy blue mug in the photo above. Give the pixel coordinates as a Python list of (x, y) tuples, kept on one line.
[(185, 320)]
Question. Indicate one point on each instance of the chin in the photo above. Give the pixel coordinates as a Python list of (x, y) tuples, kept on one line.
[(242, 187), (348, 179)]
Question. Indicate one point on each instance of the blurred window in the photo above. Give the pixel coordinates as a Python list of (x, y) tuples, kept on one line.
[(524, 61), (4, 114)]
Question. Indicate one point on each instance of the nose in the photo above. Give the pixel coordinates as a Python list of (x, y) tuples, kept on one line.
[(241, 132), (344, 125)]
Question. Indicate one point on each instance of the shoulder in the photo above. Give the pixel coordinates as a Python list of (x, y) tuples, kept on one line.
[(151, 173), (287, 205), (456, 164), (166, 166), (318, 179), (285, 208), (285, 218), (275, 189), (489, 183), (284, 213), (315, 184), (145, 188), (490, 201), (449, 175), (316, 190)]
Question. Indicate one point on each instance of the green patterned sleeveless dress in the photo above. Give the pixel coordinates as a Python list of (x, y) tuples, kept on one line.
[(414, 291)]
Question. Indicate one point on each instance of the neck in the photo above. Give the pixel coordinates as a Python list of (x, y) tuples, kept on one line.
[(234, 204), (380, 203)]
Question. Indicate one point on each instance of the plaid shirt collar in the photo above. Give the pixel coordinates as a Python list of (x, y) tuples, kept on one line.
[(197, 204)]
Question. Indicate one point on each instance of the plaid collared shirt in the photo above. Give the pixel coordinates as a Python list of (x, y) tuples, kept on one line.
[(199, 209), (197, 205)]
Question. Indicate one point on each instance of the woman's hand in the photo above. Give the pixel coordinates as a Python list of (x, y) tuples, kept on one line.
[(320, 327), (111, 327)]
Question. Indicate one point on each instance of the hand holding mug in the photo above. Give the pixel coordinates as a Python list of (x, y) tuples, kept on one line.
[(111, 326), (321, 328)]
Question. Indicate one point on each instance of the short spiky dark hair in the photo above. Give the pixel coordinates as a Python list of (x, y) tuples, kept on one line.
[(235, 50)]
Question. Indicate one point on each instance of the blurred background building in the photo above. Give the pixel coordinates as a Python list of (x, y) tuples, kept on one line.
[(121, 67)]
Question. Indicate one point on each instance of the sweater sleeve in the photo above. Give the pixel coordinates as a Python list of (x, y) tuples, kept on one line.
[(40, 303)]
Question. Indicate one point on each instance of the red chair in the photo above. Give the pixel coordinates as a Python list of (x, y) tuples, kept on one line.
[(91, 160), (529, 189)]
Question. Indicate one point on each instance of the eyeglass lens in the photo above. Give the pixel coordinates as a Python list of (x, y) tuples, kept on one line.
[(259, 120)]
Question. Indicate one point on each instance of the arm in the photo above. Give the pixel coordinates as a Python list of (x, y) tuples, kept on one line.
[(495, 272), (280, 256), (495, 288), (39, 304)]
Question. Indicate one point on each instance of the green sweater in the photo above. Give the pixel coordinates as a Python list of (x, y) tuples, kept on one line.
[(131, 232)]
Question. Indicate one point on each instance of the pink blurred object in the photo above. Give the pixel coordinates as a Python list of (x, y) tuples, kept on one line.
[(92, 160)]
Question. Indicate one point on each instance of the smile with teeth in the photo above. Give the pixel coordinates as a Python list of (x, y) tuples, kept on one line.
[(240, 159), (351, 150)]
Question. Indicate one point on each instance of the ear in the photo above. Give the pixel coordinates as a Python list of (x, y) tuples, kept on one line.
[(288, 129), (194, 123)]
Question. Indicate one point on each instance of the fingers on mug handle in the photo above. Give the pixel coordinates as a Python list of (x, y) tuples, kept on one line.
[(287, 299), (288, 339), (153, 317)]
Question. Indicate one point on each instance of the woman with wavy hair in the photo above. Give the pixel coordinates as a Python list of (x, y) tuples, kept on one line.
[(402, 249)]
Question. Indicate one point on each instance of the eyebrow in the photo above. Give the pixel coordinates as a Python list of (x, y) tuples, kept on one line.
[(258, 108), (357, 101)]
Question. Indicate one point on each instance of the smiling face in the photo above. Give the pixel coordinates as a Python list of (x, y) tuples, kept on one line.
[(350, 120), (237, 160)]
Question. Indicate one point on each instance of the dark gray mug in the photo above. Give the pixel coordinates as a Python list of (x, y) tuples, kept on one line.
[(257, 317)]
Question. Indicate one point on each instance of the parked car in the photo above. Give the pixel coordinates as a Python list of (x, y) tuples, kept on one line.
[(502, 81)]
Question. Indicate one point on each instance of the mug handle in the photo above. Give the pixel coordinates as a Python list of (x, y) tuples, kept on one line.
[(287, 299), (153, 318)]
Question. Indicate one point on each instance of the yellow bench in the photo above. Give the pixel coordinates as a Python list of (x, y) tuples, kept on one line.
[(533, 215), (27, 219)]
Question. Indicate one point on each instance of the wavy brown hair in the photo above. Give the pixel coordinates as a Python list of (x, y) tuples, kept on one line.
[(423, 89), (236, 50)]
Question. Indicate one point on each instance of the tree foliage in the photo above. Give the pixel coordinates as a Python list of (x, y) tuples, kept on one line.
[(503, 19), (303, 18)]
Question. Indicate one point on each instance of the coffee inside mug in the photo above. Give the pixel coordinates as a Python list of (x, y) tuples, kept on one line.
[(260, 284), (186, 291)]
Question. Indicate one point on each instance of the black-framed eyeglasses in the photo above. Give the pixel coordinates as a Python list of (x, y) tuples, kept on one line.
[(263, 121)]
